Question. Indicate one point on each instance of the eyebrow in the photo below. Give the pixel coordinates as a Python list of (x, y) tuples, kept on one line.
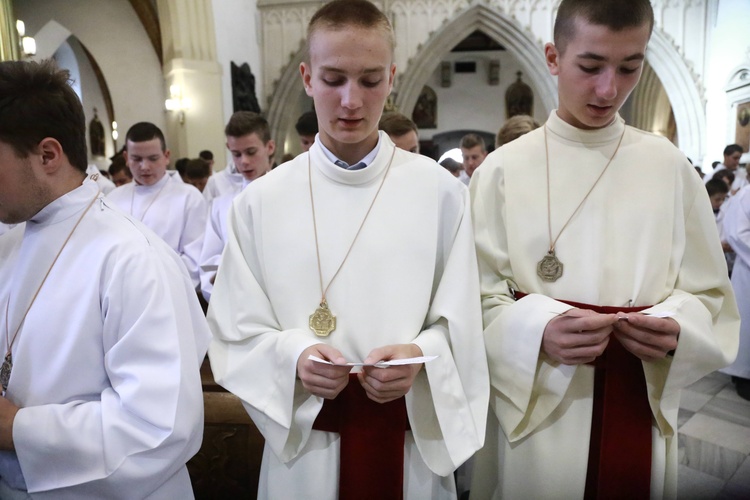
[(366, 71), (596, 57)]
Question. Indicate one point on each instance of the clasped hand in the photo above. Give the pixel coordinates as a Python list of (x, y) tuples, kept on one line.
[(579, 335), (380, 384)]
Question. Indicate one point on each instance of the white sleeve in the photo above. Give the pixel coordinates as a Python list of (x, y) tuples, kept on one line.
[(213, 246), (191, 239), (138, 433)]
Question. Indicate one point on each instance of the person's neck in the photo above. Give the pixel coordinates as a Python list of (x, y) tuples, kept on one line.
[(66, 184), (351, 153)]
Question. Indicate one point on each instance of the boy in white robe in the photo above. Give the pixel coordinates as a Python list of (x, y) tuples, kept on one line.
[(103, 332), (225, 181), (249, 141), (621, 224), (736, 228), (160, 199), (379, 238)]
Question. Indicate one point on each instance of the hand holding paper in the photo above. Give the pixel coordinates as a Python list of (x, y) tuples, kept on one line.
[(379, 364)]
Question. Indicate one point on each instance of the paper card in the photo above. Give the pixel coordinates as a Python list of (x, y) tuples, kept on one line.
[(661, 314), (379, 364)]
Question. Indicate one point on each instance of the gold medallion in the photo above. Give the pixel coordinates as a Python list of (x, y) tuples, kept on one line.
[(549, 268), (5, 372), (322, 321)]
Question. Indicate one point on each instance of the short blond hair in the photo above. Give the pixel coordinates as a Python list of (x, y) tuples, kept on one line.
[(514, 128), (340, 14)]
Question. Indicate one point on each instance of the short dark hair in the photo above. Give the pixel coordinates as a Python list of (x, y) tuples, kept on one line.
[(119, 165), (731, 149), (206, 155), (180, 165), (396, 124), (145, 131), (307, 123), (614, 14), (197, 168), (715, 186), (246, 122), (724, 174), (450, 165), (472, 140), (340, 14), (36, 101)]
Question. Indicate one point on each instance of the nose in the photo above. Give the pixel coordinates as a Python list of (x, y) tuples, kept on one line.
[(606, 85), (351, 96)]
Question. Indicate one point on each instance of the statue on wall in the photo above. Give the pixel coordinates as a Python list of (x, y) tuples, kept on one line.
[(425, 112), (519, 99), (96, 136), (243, 89)]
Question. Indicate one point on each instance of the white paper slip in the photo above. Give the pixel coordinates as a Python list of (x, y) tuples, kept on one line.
[(379, 364), (661, 314)]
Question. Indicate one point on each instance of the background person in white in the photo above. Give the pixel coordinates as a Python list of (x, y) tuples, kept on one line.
[(104, 398), (249, 141), (643, 236), (736, 229), (408, 287), (160, 199)]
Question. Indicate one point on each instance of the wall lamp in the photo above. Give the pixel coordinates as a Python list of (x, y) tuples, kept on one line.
[(27, 43), (177, 102)]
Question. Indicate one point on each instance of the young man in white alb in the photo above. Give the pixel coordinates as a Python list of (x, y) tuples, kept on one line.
[(356, 251), (604, 287)]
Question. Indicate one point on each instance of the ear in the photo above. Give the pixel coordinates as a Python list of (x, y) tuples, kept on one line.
[(166, 154), (552, 57), (306, 71), (391, 77), (270, 147), (53, 156)]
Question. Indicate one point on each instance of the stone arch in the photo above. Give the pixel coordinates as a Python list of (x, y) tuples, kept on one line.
[(686, 98), (281, 113), (51, 38), (495, 24)]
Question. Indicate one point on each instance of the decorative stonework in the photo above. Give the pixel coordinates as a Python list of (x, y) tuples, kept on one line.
[(427, 29)]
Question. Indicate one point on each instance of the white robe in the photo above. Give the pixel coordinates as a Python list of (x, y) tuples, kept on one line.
[(4, 228), (646, 235), (224, 182), (214, 240), (106, 185), (736, 226), (106, 365), (172, 209), (411, 277)]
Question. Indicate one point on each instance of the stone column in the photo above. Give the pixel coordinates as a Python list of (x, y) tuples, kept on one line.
[(9, 50), (189, 46)]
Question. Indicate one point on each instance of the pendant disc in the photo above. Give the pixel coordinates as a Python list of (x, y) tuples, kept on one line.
[(5, 372), (549, 268), (322, 321)]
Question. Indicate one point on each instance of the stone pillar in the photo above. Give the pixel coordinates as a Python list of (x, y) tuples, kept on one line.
[(189, 46), (9, 50)]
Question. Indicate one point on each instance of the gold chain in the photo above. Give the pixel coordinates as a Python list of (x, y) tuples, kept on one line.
[(315, 226), (552, 242)]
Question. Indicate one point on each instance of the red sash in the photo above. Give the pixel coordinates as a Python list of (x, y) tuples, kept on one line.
[(372, 443), (619, 463)]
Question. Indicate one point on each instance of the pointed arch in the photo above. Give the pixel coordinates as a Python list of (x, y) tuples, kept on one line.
[(496, 25), (683, 92)]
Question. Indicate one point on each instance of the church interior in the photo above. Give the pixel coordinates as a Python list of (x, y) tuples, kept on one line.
[(462, 66)]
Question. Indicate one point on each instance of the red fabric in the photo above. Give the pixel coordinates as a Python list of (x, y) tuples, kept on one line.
[(372, 443), (620, 451)]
